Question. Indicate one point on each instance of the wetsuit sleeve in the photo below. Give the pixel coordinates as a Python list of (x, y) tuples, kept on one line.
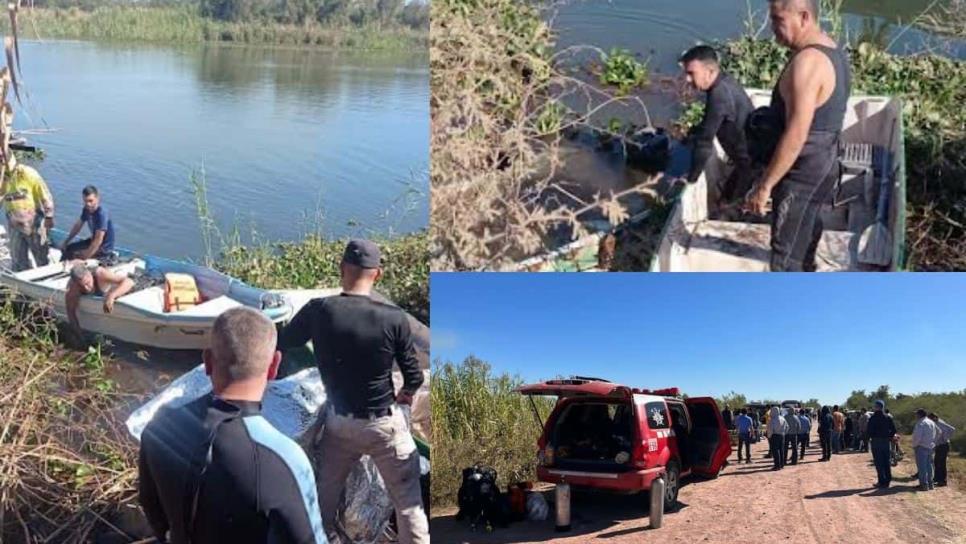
[(704, 134), (149, 499), (299, 330), (405, 354), (287, 486)]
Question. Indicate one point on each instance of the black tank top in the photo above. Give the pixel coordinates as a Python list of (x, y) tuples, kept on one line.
[(831, 115)]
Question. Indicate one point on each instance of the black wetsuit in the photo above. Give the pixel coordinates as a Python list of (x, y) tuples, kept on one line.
[(257, 485), (798, 198), (356, 339), (727, 107)]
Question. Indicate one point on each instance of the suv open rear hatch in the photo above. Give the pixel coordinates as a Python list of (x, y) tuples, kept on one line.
[(573, 387)]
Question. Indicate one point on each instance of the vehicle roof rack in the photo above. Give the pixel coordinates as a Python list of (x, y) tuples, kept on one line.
[(589, 379)]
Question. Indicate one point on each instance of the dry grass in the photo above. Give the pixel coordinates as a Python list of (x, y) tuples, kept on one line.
[(948, 19), (66, 462), (497, 119)]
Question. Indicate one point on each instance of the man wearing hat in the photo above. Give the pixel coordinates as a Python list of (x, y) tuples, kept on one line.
[(882, 430), (356, 339)]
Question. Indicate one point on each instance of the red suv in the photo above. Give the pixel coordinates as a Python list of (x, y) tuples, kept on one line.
[(608, 436)]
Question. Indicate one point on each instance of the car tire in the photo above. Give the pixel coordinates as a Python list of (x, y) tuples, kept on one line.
[(672, 482)]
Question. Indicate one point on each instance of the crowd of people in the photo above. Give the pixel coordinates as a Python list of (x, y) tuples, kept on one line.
[(215, 470), (788, 429)]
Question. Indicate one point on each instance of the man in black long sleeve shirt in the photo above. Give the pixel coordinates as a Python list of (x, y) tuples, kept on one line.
[(881, 431), (727, 108), (356, 339), (215, 470)]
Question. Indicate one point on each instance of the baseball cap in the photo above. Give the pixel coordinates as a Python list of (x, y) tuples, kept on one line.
[(362, 253)]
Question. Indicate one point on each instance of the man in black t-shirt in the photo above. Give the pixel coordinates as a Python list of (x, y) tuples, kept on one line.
[(356, 340)]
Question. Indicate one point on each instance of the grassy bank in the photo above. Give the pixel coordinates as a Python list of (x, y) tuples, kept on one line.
[(497, 119), (183, 24), (478, 418), (314, 263), (66, 463)]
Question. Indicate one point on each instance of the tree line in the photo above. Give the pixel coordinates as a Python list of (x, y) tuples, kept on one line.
[(411, 13), (951, 407)]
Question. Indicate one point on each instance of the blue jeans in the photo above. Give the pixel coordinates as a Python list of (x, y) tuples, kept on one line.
[(744, 439), (880, 455), (924, 464), (836, 441)]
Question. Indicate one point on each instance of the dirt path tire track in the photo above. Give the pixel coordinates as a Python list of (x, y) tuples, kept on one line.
[(809, 503)]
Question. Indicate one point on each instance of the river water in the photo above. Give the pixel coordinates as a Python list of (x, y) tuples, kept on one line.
[(291, 141), (659, 31)]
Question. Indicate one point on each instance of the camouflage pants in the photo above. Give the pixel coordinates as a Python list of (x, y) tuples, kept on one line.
[(22, 245)]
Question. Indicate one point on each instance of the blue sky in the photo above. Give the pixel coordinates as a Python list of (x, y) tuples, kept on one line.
[(764, 335)]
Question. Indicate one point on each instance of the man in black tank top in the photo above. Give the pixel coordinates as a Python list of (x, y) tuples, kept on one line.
[(810, 102)]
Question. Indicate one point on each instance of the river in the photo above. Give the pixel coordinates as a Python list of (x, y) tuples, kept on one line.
[(661, 30), (658, 32), (291, 141)]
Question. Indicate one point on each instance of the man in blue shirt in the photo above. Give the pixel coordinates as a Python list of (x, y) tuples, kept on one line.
[(804, 431), (101, 242), (744, 423)]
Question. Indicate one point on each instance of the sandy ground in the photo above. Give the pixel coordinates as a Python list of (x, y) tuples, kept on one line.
[(811, 502)]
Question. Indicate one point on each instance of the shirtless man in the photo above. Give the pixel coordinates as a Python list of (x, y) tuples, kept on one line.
[(98, 281), (810, 101)]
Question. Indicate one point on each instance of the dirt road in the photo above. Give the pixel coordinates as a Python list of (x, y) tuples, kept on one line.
[(812, 502)]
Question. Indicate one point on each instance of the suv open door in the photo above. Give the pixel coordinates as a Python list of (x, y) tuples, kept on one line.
[(709, 441)]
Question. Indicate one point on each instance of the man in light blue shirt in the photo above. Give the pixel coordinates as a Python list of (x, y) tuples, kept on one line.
[(744, 424), (804, 431)]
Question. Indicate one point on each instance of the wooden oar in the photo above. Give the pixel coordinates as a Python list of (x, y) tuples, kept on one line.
[(875, 245)]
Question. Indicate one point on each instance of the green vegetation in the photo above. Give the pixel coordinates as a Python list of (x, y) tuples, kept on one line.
[(689, 118), (933, 89), (68, 463), (313, 263), (396, 28), (949, 406), (478, 418), (623, 71)]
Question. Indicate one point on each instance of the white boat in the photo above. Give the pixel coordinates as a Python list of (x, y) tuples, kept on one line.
[(139, 317), (692, 242)]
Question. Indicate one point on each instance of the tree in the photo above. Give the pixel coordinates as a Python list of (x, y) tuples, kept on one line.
[(733, 400), (858, 399)]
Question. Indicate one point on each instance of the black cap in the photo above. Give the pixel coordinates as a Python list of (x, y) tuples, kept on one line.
[(362, 253)]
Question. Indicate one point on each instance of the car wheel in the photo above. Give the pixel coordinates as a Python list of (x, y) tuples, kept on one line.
[(672, 479)]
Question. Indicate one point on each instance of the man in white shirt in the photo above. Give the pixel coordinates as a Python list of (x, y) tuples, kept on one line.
[(923, 443), (942, 448)]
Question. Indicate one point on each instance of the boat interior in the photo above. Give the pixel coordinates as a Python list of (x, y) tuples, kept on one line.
[(218, 292), (698, 238)]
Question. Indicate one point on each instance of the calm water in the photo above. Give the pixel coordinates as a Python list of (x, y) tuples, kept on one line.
[(663, 29), (292, 141), (660, 30)]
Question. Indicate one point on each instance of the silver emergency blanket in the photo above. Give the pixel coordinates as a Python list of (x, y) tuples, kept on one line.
[(291, 405)]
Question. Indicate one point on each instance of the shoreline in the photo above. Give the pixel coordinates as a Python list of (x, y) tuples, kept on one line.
[(177, 25)]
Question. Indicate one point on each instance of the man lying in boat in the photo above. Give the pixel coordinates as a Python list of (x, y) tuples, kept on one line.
[(726, 111), (101, 243), (808, 105), (97, 281)]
